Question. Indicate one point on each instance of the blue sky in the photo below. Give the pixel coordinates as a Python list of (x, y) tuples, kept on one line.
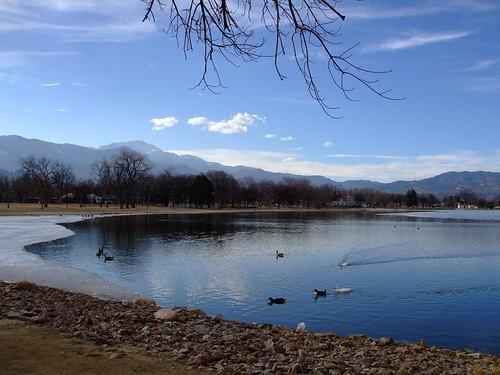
[(91, 73)]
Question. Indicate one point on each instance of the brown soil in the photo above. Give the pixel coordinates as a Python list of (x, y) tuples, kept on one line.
[(26, 348)]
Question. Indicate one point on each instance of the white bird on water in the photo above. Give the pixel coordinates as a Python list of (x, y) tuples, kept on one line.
[(343, 290)]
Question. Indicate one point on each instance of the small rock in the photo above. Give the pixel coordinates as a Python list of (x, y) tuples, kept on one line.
[(166, 314), (41, 318), (201, 359), (105, 326), (202, 330), (301, 357), (125, 332), (216, 355), (295, 369), (384, 341), (199, 312), (422, 343), (116, 355), (16, 315), (269, 344)]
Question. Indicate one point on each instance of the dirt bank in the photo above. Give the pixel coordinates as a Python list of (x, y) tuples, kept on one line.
[(26, 348)]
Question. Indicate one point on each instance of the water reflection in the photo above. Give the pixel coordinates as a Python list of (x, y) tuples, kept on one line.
[(411, 277)]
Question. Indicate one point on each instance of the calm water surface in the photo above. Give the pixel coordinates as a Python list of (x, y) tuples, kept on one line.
[(435, 278)]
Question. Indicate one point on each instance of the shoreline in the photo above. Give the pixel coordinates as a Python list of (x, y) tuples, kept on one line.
[(60, 209), (350, 342), (16, 264), (212, 343)]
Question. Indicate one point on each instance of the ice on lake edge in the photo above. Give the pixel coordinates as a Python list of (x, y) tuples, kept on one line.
[(454, 214), (16, 264)]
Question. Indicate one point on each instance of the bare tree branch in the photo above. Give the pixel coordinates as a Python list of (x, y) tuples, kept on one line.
[(226, 29)]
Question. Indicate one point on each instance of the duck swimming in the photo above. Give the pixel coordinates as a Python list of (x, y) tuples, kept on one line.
[(108, 258), (319, 293), (278, 301), (279, 254), (343, 264), (343, 290)]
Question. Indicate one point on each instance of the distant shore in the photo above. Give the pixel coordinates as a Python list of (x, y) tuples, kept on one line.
[(188, 339), (32, 209)]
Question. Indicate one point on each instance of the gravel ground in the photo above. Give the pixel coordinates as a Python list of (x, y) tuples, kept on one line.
[(215, 344)]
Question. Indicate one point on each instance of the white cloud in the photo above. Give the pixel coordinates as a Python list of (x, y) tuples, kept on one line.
[(365, 156), (162, 123), (296, 149), (487, 85), (73, 6), (52, 84), (75, 20), (198, 121), (404, 167), (328, 144), (269, 136), (417, 40), (366, 11), (288, 138), (19, 58), (105, 32), (481, 65), (64, 110), (239, 123)]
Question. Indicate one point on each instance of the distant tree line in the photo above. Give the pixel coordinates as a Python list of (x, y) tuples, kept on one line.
[(126, 179)]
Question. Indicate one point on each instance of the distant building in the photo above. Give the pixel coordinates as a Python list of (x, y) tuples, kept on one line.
[(464, 206)]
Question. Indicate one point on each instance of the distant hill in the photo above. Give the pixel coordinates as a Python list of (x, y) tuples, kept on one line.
[(81, 159), (484, 184)]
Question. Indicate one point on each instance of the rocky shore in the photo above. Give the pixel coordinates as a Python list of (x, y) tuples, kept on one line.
[(228, 347)]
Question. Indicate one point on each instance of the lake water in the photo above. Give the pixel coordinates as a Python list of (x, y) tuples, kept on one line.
[(412, 277)]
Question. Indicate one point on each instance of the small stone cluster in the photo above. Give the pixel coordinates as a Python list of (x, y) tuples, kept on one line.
[(229, 347)]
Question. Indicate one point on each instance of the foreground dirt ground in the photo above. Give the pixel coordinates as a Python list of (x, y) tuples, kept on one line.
[(26, 348)]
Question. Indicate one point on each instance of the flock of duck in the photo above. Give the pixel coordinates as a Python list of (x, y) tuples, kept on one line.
[(279, 300), (100, 253), (316, 292)]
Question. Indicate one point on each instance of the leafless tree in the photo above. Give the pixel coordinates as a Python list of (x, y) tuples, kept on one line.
[(5, 187), (40, 172), (105, 180), (62, 178), (122, 175), (236, 30), (224, 185), (132, 167)]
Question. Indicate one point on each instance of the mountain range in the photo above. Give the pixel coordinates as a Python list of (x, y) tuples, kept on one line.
[(81, 159)]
